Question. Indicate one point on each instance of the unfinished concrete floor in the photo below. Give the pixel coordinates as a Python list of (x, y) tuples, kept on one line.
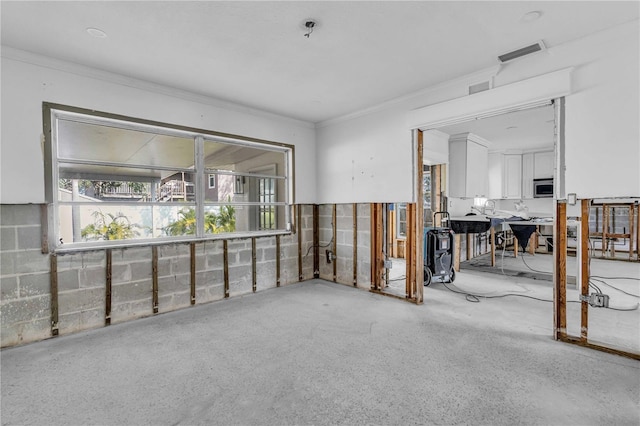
[(322, 353)]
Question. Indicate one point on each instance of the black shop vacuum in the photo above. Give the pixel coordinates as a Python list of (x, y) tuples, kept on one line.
[(438, 252)]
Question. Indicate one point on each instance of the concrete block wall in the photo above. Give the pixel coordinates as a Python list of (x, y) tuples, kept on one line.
[(364, 246), (344, 243), (25, 279), (325, 236), (25, 297)]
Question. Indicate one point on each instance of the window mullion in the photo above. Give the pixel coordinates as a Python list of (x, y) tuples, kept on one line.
[(199, 185)]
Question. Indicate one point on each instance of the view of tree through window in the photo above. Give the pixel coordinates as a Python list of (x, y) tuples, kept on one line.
[(119, 180)]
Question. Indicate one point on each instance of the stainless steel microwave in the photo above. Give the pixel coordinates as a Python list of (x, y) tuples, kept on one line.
[(543, 188)]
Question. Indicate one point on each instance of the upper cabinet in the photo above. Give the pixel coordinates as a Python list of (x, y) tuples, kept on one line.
[(512, 176), (468, 165), (543, 165)]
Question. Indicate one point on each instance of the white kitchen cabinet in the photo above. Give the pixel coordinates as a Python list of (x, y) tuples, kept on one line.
[(468, 166), (543, 165), (527, 175), (512, 176)]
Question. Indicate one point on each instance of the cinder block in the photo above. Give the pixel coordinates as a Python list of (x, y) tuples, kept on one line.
[(140, 270), (173, 284), (19, 214), (29, 237), (30, 261), (180, 265), (214, 261), (80, 300), (68, 280), (266, 275), (82, 260), (245, 257), (21, 310), (120, 273), (174, 250), (164, 267), (128, 292), (25, 332), (7, 263), (9, 288), (8, 239), (35, 284), (132, 254)]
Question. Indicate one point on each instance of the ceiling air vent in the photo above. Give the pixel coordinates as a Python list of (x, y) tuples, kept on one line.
[(479, 87), (523, 51)]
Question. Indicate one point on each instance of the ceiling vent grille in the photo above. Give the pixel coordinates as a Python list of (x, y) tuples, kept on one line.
[(523, 51), (479, 87)]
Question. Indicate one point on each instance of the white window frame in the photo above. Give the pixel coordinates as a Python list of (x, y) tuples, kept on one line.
[(212, 178)]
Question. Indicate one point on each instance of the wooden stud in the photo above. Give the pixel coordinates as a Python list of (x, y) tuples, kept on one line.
[(435, 189), (418, 287), (605, 228), (532, 249), (316, 241), (411, 251), (53, 259), (192, 250), (154, 278), (515, 246), (44, 228), (254, 277), (377, 263), (225, 253), (108, 283), (355, 244), (631, 231), (469, 246), (560, 279), (277, 260), (299, 231), (638, 232), (372, 231), (334, 246), (584, 268), (580, 342)]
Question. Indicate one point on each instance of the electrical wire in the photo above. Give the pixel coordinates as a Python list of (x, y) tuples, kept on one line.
[(616, 288), (319, 246)]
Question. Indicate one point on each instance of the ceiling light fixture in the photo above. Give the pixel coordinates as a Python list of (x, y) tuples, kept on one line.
[(97, 33), (534, 15), (309, 25)]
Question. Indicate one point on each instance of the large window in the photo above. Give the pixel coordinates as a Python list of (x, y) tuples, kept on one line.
[(113, 179)]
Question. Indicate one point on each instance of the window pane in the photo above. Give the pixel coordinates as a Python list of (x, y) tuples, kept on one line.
[(238, 158), (101, 183), (103, 222), (246, 188), (94, 142), (244, 218)]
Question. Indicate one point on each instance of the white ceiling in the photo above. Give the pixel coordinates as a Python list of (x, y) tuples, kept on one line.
[(530, 129), (254, 53)]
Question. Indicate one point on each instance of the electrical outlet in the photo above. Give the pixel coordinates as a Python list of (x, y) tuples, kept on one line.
[(329, 254), (599, 300), (388, 264)]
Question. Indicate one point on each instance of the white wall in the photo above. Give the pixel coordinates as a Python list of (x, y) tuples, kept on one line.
[(29, 80), (602, 125)]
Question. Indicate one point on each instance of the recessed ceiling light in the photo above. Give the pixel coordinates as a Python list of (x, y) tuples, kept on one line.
[(97, 33), (512, 127), (534, 15)]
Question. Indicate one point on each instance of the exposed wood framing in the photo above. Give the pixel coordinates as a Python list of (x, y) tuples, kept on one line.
[(377, 256), (638, 231), (334, 247), (107, 292), (154, 278), (225, 253), (418, 289), (580, 342), (470, 246), (53, 259), (560, 276), (299, 232), (584, 268), (605, 228), (355, 244), (44, 228), (410, 251), (254, 278), (631, 229), (277, 260), (437, 194), (316, 241), (458, 252), (192, 250)]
